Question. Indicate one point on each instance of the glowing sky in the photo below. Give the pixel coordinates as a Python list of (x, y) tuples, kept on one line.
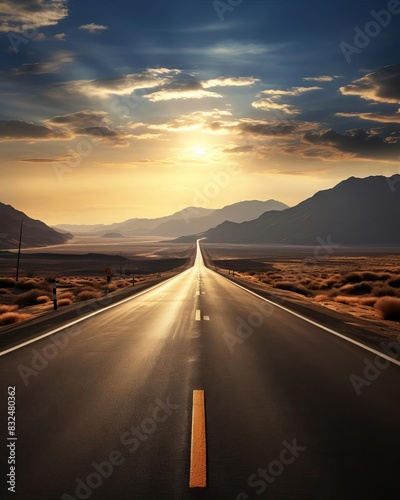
[(114, 110)]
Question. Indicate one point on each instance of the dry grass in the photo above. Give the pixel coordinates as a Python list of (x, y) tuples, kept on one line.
[(9, 318), (64, 302), (388, 308), (43, 299), (4, 291), (87, 295), (7, 308), (28, 298), (7, 282)]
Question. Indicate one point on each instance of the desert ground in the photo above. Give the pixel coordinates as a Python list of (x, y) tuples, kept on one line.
[(364, 283), (80, 269)]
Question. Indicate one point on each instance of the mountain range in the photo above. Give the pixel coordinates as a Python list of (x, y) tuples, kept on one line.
[(34, 232), (355, 212), (185, 222)]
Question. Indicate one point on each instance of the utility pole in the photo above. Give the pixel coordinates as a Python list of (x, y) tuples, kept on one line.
[(19, 250)]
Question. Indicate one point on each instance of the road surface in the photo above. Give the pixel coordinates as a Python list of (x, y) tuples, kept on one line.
[(104, 407)]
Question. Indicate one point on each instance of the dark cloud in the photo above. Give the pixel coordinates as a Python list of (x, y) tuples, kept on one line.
[(15, 130), (382, 85), (81, 119), (358, 142), (21, 15)]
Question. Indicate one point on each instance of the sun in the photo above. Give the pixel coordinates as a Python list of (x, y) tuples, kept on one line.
[(199, 151)]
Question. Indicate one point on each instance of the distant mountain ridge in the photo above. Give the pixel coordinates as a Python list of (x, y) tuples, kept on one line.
[(35, 233), (355, 212), (185, 222)]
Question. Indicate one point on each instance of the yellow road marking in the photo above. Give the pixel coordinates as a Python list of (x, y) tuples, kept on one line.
[(198, 456)]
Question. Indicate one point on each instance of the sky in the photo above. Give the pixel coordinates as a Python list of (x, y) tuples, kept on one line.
[(116, 110)]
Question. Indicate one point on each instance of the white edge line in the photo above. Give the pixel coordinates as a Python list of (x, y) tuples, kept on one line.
[(363, 346), (52, 332)]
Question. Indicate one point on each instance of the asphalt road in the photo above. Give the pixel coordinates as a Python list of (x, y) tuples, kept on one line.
[(104, 407)]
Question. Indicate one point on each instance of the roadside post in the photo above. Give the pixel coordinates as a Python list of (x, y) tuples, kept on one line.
[(108, 273), (54, 286), (133, 278)]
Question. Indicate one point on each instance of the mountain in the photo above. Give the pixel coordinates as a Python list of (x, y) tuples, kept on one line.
[(238, 212), (185, 222), (355, 212), (136, 226), (34, 233)]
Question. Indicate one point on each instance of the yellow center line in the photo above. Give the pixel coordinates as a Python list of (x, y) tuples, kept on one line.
[(198, 456)]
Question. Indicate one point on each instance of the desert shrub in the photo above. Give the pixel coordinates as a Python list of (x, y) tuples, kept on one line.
[(67, 295), (333, 292), (4, 291), (9, 318), (357, 288), (251, 273), (313, 285), (293, 287), (356, 277), (368, 301), (344, 299), (43, 299), (6, 308), (321, 297), (87, 295), (26, 284), (7, 282), (388, 308), (28, 298), (384, 291), (64, 302), (394, 282)]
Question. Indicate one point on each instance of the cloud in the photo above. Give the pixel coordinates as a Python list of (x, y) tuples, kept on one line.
[(358, 143), (260, 128), (15, 130), (119, 85), (282, 171), (191, 90), (375, 117), (323, 78), (271, 104), (230, 82), (93, 28), (382, 85), (194, 121), (91, 123), (55, 159), (239, 150), (22, 15), (81, 119), (41, 37), (42, 68)]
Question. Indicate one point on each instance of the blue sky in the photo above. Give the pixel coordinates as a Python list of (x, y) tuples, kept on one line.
[(113, 110)]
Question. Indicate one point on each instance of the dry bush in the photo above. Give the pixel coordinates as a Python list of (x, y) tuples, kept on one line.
[(28, 298), (321, 297), (26, 284), (368, 301), (293, 287), (333, 292), (7, 282), (67, 295), (4, 291), (87, 295), (356, 277), (110, 288), (5, 308), (64, 302), (9, 318), (384, 291), (314, 285), (388, 308), (43, 299), (344, 299), (394, 282), (362, 288)]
